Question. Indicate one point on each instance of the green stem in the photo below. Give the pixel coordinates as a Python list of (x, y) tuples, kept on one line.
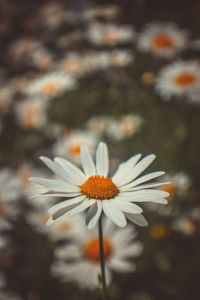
[(102, 262)]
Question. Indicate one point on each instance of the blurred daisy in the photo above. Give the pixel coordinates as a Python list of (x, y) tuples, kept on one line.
[(162, 39), (22, 47), (79, 260), (64, 228), (179, 184), (95, 191), (188, 222), (124, 127), (109, 34), (50, 85), (73, 64), (99, 124), (121, 58), (41, 59), (70, 145), (31, 114), (179, 79)]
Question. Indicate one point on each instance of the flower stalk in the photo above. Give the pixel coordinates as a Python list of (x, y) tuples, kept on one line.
[(102, 262)]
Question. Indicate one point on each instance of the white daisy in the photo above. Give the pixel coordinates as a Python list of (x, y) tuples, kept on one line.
[(31, 114), (50, 85), (70, 145), (42, 59), (109, 34), (187, 223), (120, 58), (10, 188), (179, 79), (162, 39), (64, 228), (92, 189), (99, 124), (79, 260), (124, 127)]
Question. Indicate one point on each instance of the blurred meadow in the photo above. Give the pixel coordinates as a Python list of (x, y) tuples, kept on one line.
[(72, 73)]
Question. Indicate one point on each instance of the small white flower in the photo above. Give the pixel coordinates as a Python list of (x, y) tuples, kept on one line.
[(50, 85), (79, 260), (162, 39), (179, 79), (64, 228), (92, 189), (31, 114), (99, 124), (109, 34), (124, 127), (41, 58), (70, 145), (188, 222), (10, 188), (120, 58)]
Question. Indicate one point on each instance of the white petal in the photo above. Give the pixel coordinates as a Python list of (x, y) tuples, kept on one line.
[(144, 178), (121, 265), (52, 194), (81, 207), (145, 186), (113, 213), (93, 214), (87, 162), (102, 160), (125, 167), (137, 170), (71, 168), (55, 185), (137, 219), (127, 206), (61, 213), (144, 196), (66, 203), (57, 169)]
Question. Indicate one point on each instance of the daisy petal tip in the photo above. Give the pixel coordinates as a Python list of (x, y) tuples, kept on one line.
[(50, 221)]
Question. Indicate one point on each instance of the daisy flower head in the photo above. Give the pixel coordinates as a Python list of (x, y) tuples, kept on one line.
[(50, 85), (109, 34), (181, 78), (187, 223), (79, 260), (92, 189), (162, 39), (70, 145), (31, 114), (126, 126)]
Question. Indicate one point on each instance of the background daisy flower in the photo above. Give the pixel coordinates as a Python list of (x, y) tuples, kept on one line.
[(79, 260), (50, 85), (92, 189), (181, 78), (162, 39)]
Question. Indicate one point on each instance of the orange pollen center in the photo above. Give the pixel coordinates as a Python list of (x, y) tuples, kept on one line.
[(91, 250), (163, 41), (169, 188), (75, 149), (99, 187), (185, 79), (50, 88), (45, 217), (73, 65)]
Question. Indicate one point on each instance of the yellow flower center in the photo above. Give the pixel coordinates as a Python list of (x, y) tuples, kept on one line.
[(99, 187), (91, 250), (50, 88), (163, 41), (75, 149), (185, 79)]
